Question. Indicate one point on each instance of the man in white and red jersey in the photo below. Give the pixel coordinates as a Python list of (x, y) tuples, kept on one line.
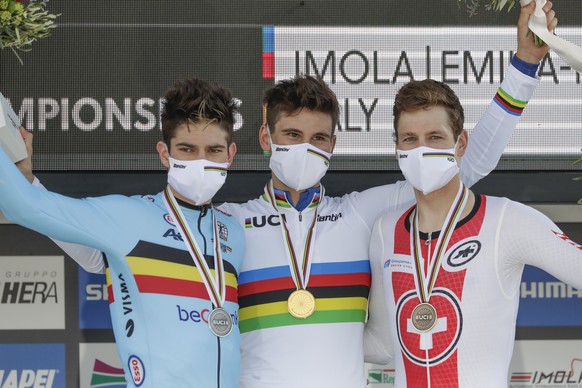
[(446, 272)]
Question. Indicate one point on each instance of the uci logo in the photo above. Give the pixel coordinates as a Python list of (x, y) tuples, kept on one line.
[(259, 222)]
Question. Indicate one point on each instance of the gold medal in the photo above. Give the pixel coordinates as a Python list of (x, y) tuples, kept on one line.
[(301, 303), (424, 317)]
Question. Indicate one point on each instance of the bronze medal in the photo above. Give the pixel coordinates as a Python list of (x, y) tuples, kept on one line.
[(424, 317)]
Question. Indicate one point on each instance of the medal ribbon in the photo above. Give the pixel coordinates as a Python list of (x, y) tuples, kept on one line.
[(300, 272), (424, 290), (215, 286)]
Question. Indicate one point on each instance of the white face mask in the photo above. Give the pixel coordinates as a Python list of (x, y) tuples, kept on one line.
[(197, 180), (299, 166), (428, 169)]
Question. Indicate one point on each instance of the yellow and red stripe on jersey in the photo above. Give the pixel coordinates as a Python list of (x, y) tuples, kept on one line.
[(167, 271)]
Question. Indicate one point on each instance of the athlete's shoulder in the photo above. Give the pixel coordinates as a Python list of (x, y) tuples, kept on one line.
[(388, 196), (495, 203), (393, 215), (238, 209)]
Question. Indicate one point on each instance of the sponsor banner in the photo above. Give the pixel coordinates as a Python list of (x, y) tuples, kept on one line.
[(32, 292), (547, 364), (380, 376), (108, 118), (366, 66), (93, 305), (99, 366), (32, 365), (546, 301)]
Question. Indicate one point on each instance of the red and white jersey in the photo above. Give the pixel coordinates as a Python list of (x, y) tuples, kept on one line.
[(476, 293)]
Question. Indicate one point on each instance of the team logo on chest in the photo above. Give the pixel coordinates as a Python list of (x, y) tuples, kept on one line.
[(222, 231), (168, 218), (437, 344), (464, 253)]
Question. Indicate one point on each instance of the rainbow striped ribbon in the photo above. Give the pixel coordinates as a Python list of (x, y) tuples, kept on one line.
[(215, 285), (300, 272), (424, 290)]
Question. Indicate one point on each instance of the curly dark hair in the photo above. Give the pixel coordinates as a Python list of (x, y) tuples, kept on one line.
[(194, 100)]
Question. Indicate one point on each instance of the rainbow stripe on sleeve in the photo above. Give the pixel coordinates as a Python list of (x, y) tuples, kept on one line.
[(509, 104), (341, 290)]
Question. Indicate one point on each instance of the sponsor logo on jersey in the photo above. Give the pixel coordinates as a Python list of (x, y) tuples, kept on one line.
[(137, 370), (27, 365), (222, 231), (126, 302), (221, 211), (173, 233), (260, 221), (32, 287), (283, 149), (463, 253), (181, 166), (197, 316), (381, 376), (168, 218), (148, 198), (399, 264), (329, 217), (225, 248)]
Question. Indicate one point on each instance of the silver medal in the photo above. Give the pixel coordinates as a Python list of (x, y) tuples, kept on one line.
[(220, 322)]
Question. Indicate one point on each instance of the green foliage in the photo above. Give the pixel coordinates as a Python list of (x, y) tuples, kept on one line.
[(23, 23)]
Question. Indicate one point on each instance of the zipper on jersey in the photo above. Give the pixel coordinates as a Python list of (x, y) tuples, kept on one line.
[(219, 363), (300, 217), (429, 254), (201, 214)]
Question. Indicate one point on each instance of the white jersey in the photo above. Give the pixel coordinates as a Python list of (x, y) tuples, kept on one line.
[(326, 349), (476, 293)]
